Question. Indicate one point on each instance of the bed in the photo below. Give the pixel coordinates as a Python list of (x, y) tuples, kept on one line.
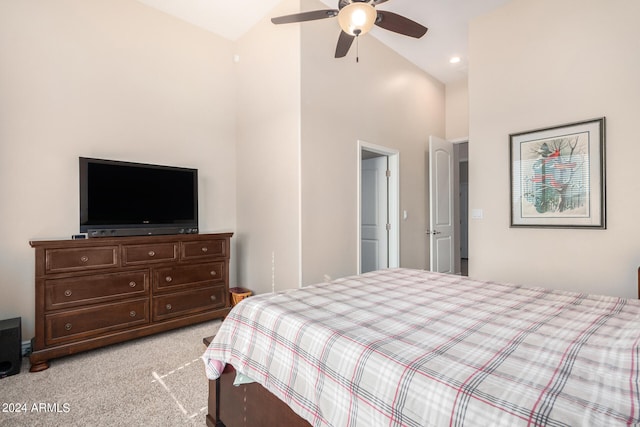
[(403, 347)]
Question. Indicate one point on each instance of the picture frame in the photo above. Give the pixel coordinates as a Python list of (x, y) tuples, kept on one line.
[(557, 176)]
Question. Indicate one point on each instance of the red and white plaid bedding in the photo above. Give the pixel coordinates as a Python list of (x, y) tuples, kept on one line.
[(404, 347)]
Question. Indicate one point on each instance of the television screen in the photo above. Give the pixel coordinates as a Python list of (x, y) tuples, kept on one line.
[(124, 198)]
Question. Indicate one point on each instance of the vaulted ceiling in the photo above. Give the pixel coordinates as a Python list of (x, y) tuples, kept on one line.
[(447, 21)]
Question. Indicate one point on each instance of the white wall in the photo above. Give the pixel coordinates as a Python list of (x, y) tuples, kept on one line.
[(116, 79), (298, 125), (540, 63), (382, 99), (111, 79), (457, 110), (268, 154)]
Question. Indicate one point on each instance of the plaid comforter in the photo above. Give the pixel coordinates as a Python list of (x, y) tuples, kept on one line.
[(404, 347)]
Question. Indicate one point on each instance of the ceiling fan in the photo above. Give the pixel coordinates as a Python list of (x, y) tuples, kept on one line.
[(357, 17)]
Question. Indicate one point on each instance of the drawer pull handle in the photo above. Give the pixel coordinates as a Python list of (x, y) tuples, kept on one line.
[(205, 249), (152, 253), (67, 293), (213, 272), (168, 279), (84, 258), (132, 313), (67, 326), (213, 298), (168, 306), (132, 284)]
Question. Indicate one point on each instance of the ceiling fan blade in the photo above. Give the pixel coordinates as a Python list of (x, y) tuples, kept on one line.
[(399, 24), (377, 2), (305, 16), (344, 44)]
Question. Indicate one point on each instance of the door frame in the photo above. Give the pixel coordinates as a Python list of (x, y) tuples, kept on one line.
[(393, 157)]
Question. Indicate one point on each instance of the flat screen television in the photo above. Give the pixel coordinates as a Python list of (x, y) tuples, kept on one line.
[(131, 199)]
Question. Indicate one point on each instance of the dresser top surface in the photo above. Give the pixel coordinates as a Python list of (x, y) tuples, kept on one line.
[(126, 240)]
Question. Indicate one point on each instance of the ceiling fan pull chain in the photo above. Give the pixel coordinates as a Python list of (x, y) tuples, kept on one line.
[(357, 32)]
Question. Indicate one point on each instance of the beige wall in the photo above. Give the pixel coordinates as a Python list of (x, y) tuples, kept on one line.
[(540, 63), (110, 79), (457, 110), (116, 79), (298, 125), (382, 100), (268, 215)]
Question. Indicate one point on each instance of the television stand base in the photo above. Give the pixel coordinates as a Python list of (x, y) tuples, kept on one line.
[(155, 231)]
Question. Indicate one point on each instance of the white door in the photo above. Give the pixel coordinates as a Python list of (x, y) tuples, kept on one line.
[(374, 214), (442, 206)]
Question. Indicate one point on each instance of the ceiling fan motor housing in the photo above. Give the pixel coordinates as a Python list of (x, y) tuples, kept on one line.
[(357, 18), (343, 3)]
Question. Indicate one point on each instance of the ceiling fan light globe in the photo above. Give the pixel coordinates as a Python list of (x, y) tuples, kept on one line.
[(357, 18)]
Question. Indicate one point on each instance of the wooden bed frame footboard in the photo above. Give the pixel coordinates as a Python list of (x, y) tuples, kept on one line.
[(247, 405)]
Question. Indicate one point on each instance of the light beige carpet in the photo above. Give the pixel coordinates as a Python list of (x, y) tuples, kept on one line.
[(153, 381)]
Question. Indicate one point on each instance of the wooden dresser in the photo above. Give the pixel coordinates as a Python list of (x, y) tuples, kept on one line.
[(95, 292)]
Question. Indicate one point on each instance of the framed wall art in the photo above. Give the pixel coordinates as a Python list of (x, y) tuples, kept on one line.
[(558, 176)]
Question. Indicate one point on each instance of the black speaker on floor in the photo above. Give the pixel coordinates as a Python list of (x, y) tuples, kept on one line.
[(10, 346)]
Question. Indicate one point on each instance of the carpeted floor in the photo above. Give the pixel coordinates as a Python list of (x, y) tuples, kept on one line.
[(153, 381)]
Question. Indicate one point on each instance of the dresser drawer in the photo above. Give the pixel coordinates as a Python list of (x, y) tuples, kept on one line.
[(144, 254), (75, 291), (96, 320), (189, 302), (204, 249), (74, 259), (174, 278)]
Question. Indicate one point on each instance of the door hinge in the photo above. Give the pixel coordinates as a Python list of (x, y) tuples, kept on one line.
[(388, 173), (388, 227)]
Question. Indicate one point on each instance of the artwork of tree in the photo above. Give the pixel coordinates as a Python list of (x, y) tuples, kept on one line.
[(555, 175)]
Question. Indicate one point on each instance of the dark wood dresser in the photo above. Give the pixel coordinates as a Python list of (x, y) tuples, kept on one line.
[(95, 292)]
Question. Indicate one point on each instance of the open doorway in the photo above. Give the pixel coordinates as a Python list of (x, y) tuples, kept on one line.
[(463, 169), (378, 207)]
